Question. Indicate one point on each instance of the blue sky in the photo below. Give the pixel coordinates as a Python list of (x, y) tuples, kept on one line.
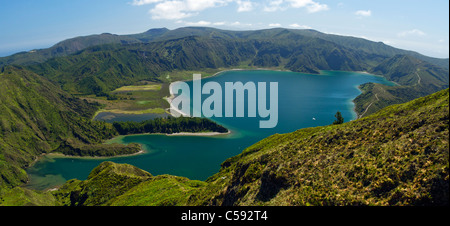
[(416, 25)]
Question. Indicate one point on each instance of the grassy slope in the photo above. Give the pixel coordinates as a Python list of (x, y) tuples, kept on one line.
[(415, 78), (106, 181), (398, 156)]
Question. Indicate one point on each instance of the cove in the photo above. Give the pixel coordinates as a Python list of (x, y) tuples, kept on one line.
[(304, 100)]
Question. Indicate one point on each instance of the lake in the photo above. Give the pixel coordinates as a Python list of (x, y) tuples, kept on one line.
[(305, 100)]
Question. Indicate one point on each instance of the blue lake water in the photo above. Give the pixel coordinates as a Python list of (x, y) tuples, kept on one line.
[(304, 100)]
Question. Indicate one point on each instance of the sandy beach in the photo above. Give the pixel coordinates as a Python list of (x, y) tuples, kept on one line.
[(172, 108)]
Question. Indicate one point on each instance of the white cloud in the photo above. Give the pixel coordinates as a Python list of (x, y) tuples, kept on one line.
[(365, 13), (170, 10), (273, 6), (413, 32), (199, 23), (315, 7), (239, 24), (245, 6), (275, 25), (310, 5), (179, 9), (299, 3), (297, 26), (144, 2)]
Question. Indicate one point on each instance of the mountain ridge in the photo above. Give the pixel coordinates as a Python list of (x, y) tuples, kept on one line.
[(101, 69), (158, 34)]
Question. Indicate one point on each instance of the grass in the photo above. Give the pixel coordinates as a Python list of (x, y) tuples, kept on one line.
[(154, 87), (137, 112), (25, 197), (139, 99), (164, 190)]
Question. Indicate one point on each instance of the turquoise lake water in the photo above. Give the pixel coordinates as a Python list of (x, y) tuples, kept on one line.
[(304, 100)]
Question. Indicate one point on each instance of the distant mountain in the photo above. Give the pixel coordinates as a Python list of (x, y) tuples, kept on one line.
[(150, 35), (70, 46), (100, 69), (398, 156), (360, 44), (377, 48), (416, 78), (83, 66), (103, 68), (408, 70), (64, 48)]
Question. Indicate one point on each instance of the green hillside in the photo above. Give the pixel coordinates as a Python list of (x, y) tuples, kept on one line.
[(398, 156), (37, 117), (100, 69), (64, 48), (98, 64), (416, 78)]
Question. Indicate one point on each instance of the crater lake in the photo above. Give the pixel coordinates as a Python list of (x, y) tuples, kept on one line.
[(304, 100)]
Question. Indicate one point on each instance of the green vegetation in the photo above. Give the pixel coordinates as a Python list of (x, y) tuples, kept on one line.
[(147, 111), (397, 156), (138, 88), (35, 118), (169, 125), (163, 190), (416, 78), (96, 150), (339, 118), (136, 101), (25, 197), (163, 56), (64, 48), (105, 182), (100, 64), (378, 50)]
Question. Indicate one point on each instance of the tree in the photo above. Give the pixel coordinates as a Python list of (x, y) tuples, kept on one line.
[(339, 118)]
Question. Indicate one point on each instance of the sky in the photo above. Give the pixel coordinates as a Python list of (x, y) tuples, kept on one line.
[(418, 25)]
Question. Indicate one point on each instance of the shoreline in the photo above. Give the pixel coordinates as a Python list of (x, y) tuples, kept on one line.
[(61, 155), (142, 151), (171, 97), (205, 134), (123, 112)]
